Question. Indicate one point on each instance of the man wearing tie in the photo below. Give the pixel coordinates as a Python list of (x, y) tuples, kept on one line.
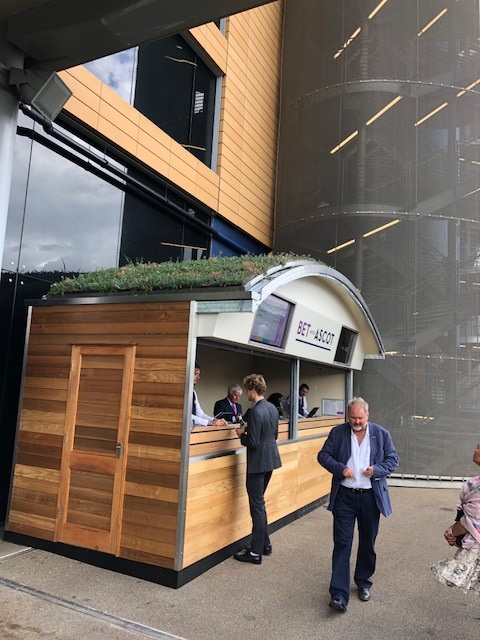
[(302, 400), (229, 406), (199, 417)]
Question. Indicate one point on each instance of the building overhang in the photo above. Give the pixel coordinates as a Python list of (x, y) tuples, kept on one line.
[(60, 34)]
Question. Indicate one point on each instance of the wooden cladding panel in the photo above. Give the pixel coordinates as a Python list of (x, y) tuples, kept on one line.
[(159, 331), (250, 105), (205, 440), (316, 426), (217, 503)]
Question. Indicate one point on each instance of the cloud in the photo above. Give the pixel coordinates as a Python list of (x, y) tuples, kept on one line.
[(66, 217), (117, 71)]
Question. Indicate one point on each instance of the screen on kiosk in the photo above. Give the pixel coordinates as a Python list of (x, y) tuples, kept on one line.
[(271, 321)]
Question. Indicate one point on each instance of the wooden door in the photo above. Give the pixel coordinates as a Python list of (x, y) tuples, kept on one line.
[(92, 474)]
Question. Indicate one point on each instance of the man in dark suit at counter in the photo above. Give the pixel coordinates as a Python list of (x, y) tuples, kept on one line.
[(302, 400), (259, 436), (229, 408)]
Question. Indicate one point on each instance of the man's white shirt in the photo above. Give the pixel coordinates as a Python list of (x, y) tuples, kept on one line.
[(358, 462)]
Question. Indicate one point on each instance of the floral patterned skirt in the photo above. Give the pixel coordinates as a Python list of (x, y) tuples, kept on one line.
[(463, 570)]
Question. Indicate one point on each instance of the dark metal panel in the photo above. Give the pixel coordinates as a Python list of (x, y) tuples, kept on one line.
[(64, 33)]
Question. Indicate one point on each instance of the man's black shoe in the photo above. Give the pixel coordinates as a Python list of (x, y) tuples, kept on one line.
[(364, 594), (246, 556), (267, 551), (337, 604)]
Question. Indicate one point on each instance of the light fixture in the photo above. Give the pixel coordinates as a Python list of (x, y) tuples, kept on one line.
[(432, 22), (344, 142), (471, 192), (347, 42), (378, 229), (470, 86), (432, 113), (382, 111), (341, 246), (377, 8), (41, 88)]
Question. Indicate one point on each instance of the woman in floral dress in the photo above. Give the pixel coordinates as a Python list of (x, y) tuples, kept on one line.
[(463, 570)]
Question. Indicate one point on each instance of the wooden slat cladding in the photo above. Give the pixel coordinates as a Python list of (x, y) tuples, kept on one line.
[(205, 440), (150, 491), (217, 504), (317, 426)]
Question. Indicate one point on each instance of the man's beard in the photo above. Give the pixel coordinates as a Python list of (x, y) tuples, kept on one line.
[(358, 427)]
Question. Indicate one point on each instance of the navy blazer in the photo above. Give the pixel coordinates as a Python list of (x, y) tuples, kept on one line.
[(383, 457), (224, 406), (260, 438)]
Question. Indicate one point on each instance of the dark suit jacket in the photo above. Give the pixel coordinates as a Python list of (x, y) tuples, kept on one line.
[(260, 438), (225, 407), (383, 457)]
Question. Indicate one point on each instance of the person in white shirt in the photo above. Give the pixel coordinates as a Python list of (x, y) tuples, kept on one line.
[(302, 401), (199, 417), (359, 454)]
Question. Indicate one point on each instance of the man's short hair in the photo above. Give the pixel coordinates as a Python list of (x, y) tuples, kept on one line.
[(304, 385), (358, 401), (235, 388), (255, 381)]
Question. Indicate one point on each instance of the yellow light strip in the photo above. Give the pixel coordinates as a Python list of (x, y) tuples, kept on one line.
[(470, 86), (470, 161), (345, 44), (382, 111), (432, 113), (341, 246), (377, 8), (472, 192), (378, 229), (432, 22), (344, 142)]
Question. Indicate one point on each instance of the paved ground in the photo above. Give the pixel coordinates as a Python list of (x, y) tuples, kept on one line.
[(284, 598)]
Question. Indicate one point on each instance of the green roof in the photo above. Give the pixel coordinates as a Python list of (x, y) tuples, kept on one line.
[(150, 277)]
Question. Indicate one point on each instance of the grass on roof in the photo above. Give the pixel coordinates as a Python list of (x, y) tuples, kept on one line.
[(148, 277)]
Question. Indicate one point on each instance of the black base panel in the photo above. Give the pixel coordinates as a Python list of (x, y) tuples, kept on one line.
[(150, 572)]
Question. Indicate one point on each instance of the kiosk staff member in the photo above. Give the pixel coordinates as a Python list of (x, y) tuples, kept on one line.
[(199, 417)]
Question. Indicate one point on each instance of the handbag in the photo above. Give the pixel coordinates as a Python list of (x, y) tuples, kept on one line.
[(463, 570)]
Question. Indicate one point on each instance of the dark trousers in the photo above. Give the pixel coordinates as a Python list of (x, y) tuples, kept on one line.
[(350, 506), (257, 484)]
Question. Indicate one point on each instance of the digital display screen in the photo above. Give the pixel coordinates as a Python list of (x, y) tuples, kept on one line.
[(345, 346), (271, 321)]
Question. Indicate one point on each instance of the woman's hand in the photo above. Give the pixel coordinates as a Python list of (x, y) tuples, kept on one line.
[(450, 537)]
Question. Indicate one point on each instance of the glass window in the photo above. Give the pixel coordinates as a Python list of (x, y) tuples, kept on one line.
[(170, 84), (176, 91)]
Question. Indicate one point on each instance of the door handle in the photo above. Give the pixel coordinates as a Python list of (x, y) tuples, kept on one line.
[(118, 450)]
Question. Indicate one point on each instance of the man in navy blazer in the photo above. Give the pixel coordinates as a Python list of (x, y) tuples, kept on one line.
[(229, 407), (359, 454)]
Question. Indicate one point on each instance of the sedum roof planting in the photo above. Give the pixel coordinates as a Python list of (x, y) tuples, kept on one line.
[(147, 278)]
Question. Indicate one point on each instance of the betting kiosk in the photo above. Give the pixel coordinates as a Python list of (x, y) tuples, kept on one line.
[(108, 469)]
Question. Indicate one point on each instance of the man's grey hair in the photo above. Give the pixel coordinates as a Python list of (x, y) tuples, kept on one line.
[(235, 388), (359, 402)]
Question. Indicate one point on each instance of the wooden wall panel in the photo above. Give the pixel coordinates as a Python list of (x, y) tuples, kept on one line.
[(217, 503), (159, 331)]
